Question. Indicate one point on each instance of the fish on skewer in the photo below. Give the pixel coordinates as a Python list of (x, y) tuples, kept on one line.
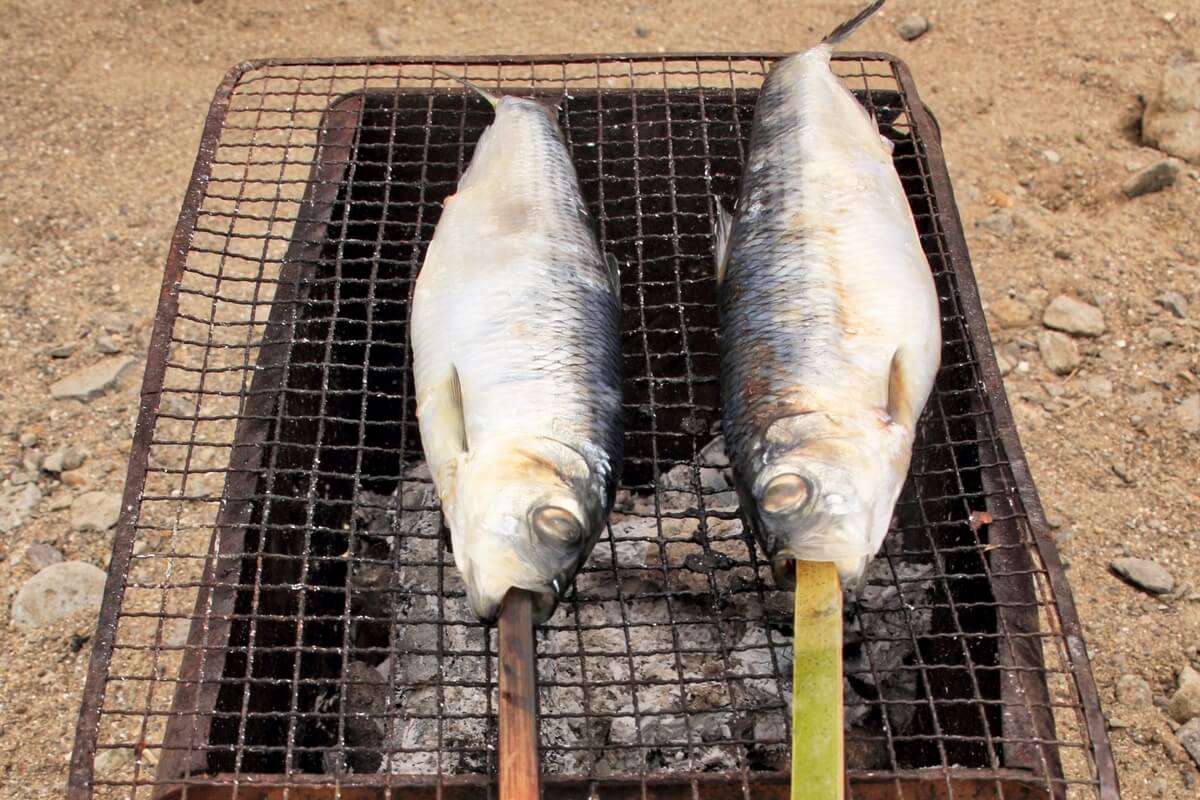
[(516, 358), (830, 329)]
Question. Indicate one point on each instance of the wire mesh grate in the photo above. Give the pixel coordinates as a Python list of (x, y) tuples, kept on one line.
[(283, 610)]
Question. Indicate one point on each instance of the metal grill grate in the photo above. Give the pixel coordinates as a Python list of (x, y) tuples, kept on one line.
[(282, 612)]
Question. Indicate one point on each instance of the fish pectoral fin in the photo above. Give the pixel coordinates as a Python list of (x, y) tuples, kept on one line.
[(899, 402), (722, 238), (614, 273), (444, 427)]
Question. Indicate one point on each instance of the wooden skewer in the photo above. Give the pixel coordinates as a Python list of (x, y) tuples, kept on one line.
[(817, 741), (519, 778)]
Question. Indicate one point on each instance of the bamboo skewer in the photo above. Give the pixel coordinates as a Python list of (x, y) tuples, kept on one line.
[(818, 767), (519, 778)]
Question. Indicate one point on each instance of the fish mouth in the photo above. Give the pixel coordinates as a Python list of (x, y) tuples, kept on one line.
[(487, 605)]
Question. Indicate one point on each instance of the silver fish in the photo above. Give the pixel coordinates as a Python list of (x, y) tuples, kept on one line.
[(830, 330), (516, 355)]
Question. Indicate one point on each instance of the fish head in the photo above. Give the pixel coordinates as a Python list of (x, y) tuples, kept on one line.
[(824, 492), (524, 516)]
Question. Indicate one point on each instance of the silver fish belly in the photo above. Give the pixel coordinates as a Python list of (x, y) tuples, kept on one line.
[(516, 357), (830, 330)]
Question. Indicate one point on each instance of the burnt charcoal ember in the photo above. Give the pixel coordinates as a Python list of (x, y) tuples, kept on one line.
[(364, 705)]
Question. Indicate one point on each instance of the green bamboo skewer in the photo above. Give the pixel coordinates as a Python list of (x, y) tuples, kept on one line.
[(818, 768)]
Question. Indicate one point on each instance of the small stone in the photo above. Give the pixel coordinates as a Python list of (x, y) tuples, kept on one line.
[(1003, 363), (387, 38), (1174, 302), (1063, 255), (999, 222), (91, 381), (58, 591), (1073, 316), (1154, 178), (16, 504), (62, 350), (1185, 702), (1011, 313), (1099, 387), (1059, 352), (1052, 156), (106, 345), (1062, 538), (64, 459), (114, 322), (41, 555), (1189, 736), (114, 764), (1187, 413), (914, 26), (1133, 691), (1160, 337), (1171, 121), (95, 511), (28, 439), (1145, 574), (58, 502), (1120, 470), (641, 32)]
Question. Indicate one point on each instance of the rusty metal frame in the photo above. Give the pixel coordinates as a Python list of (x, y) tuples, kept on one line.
[(966, 784)]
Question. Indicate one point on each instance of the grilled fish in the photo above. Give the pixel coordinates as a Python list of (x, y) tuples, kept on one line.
[(516, 356), (830, 331)]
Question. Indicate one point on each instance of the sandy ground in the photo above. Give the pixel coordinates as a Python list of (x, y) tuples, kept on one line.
[(1038, 105)]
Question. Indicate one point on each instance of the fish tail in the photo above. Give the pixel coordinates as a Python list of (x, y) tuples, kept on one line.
[(484, 93), (843, 31)]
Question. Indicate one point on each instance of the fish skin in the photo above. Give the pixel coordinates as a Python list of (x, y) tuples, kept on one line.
[(830, 328), (516, 358)]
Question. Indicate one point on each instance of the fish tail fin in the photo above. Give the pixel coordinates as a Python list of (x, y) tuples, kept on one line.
[(484, 93), (843, 31)]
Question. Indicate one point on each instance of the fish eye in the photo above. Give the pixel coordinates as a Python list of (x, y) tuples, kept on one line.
[(785, 493), (556, 525)]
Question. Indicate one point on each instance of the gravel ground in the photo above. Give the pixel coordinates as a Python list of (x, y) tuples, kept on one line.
[(1040, 107)]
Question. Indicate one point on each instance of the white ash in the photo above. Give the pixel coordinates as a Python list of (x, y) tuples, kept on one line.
[(684, 646)]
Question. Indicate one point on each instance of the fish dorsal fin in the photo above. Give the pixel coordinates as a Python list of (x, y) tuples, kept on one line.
[(843, 31), (484, 93), (614, 273), (721, 240), (899, 402)]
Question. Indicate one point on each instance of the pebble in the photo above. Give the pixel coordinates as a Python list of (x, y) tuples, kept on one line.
[(1174, 302), (1059, 352), (16, 504), (1185, 702), (1011, 313), (1171, 121), (91, 381), (1133, 691), (1188, 413), (387, 38), (64, 459), (95, 511), (1052, 156), (41, 555), (641, 32), (1121, 471), (62, 350), (1160, 337), (1073, 316), (28, 439), (1003, 363), (1145, 574), (58, 591), (105, 345), (914, 26), (115, 322), (999, 222), (1099, 387), (1063, 255), (1154, 178), (1189, 736)]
